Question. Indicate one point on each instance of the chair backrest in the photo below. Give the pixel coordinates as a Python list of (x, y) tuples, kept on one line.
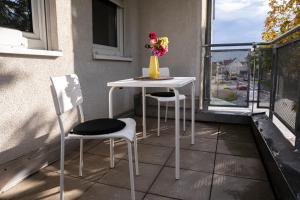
[(164, 71), (67, 92)]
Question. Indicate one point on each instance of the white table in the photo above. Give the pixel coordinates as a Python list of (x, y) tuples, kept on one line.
[(174, 84)]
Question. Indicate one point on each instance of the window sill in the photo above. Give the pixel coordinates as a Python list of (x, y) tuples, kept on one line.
[(30, 52), (113, 58)]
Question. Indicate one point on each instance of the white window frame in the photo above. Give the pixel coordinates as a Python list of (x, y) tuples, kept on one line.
[(12, 38), (118, 51)]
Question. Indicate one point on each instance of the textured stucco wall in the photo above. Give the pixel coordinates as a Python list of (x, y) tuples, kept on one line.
[(28, 120), (180, 20)]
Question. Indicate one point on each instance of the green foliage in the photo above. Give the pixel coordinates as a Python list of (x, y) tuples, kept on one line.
[(16, 14), (282, 17), (231, 96)]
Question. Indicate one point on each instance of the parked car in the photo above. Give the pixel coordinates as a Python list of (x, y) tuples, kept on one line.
[(233, 77), (242, 87)]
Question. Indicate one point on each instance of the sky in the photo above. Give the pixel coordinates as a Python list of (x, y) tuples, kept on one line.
[(239, 20)]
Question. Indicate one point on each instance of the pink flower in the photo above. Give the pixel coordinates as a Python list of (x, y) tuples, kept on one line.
[(156, 52), (153, 41), (160, 51), (158, 46), (152, 36)]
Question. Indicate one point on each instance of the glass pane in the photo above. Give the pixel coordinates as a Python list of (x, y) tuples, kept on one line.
[(265, 78), (105, 30), (286, 100), (229, 78), (16, 14)]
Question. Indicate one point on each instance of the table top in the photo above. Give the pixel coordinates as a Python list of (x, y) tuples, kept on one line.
[(176, 82)]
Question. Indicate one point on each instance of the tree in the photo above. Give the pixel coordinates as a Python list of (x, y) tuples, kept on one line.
[(16, 14), (283, 16)]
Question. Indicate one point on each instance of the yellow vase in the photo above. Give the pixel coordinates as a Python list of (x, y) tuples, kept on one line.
[(154, 67)]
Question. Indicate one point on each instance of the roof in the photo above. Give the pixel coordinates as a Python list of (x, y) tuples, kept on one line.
[(227, 62)]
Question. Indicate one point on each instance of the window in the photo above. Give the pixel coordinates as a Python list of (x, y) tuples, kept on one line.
[(108, 27), (16, 15), (22, 24)]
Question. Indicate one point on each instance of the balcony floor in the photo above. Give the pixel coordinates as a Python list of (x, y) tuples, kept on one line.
[(223, 164)]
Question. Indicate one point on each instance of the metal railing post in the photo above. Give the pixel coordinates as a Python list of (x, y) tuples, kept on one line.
[(297, 125), (207, 68), (274, 82), (207, 63), (254, 74), (260, 70)]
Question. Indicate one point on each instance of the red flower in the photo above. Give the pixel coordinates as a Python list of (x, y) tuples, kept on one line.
[(152, 36)]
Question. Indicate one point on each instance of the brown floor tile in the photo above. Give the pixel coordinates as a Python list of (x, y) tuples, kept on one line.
[(194, 160), (167, 140), (90, 144), (105, 192), (192, 184), (151, 124), (94, 167), (166, 127), (119, 176), (237, 148), (103, 149), (237, 165), (54, 167), (228, 188), (240, 166), (235, 127), (156, 197), (201, 144), (204, 131), (236, 133), (153, 154), (46, 186)]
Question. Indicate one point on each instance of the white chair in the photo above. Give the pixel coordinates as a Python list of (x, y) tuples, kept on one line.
[(68, 95), (167, 96)]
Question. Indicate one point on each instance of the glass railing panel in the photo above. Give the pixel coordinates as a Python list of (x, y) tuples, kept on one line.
[(264, 77), (288, 77), (229, 77)]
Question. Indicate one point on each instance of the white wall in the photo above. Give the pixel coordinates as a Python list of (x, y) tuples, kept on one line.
[(180, 20), (28, 120)]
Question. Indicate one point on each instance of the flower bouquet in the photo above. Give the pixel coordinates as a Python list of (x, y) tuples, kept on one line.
[(158, 47)]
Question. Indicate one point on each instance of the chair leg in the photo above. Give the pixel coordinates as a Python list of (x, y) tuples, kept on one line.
[(136, 155), (62, 168), (81, 157), (111, 153), (158, 118), (166, 113), (131, 170), (183, 114)]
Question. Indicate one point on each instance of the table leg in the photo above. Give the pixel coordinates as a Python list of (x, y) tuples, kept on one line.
[(177, 135), (144, 111), (193, 113), (111, 115)]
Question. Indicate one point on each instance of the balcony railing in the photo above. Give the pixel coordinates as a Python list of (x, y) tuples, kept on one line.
[(229, 77), (261, 75), (286, 84)]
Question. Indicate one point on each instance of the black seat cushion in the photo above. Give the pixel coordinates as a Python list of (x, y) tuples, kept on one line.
[(163, 94), (99, 127)]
